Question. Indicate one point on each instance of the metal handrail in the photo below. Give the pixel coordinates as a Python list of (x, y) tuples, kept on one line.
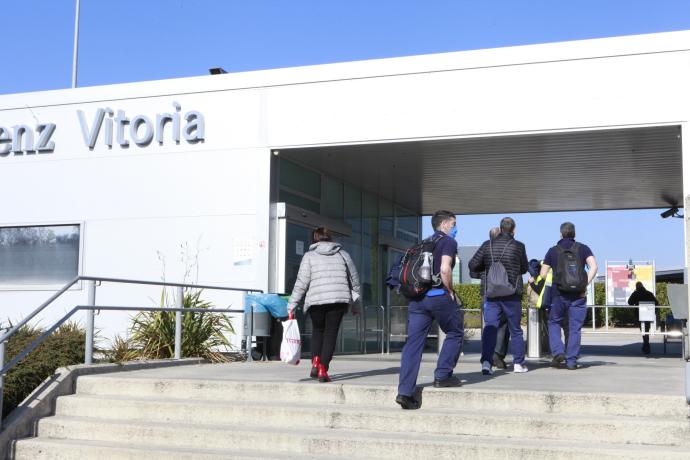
[(38, 340), (179, 310), (75, 280), (606, 319), (380, 320), (388, 322)]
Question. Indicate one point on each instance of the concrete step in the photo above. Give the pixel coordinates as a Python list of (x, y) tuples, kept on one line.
[(337, 442), (67, 449), (505, 423), (375, 396)]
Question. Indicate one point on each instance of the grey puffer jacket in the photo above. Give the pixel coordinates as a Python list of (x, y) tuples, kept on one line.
[(323, 276)]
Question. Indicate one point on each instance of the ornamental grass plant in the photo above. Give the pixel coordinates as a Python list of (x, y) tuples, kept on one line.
[(204, 335)]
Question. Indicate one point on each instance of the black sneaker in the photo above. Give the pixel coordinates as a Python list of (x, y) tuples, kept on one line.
[(557, 360), (646, 349), (451, 381), (407, 402), (499, 363)]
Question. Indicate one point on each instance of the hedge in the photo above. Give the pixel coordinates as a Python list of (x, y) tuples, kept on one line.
[(62, 348)]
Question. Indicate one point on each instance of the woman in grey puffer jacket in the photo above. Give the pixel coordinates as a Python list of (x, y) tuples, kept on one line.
[(323, 275)]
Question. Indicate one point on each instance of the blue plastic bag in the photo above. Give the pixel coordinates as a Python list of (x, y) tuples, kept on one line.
[(273, 303)]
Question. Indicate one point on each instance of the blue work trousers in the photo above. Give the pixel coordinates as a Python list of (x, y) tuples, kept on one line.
[(511, 309), (575, 311), (421, 314)]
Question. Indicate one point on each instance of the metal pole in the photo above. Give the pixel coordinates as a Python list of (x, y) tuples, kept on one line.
[(250, 337), (179, 303), (388, 329), (383, 329), (606, 309), (533, 343), (75, 55), (91, 290), (2, 379)]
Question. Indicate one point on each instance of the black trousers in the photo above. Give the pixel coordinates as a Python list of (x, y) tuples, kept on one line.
[(647, 326), (325, 321), (502, 337)]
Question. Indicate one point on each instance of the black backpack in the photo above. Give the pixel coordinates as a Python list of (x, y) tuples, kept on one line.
[(570, 276), (404, 275), (497, 283)]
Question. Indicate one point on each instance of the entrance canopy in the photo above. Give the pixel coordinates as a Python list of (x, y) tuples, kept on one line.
[(630, 168)]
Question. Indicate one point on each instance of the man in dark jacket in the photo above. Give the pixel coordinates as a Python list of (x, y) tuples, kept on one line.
[(511, 254), (643, 295)]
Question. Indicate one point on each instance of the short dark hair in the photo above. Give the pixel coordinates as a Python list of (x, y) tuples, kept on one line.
[(321, 234), (507, 225), (568, 230), (440, 217)]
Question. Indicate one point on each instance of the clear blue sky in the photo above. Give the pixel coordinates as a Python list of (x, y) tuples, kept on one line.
[(134, 40)]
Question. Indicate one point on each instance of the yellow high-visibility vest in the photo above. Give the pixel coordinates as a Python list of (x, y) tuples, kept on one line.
[(547, 285)]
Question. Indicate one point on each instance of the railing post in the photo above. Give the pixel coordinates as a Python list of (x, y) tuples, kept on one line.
[(179, 303), (91, 291), (606, 309), (250, 336), (2, 377)]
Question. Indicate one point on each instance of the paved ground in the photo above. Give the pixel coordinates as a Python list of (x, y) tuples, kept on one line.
[(610, 364)]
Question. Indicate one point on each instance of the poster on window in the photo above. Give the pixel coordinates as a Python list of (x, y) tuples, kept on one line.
[(621, 278)]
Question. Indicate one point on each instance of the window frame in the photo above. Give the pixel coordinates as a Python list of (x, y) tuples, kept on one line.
[(80, 257)]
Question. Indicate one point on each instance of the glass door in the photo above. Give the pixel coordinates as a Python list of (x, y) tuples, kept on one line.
[(396, 305)]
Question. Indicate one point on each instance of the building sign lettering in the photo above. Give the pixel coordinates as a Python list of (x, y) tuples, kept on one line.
[(110, 127)]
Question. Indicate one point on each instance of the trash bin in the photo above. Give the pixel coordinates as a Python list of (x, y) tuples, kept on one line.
[(262, 319), (269, 311)]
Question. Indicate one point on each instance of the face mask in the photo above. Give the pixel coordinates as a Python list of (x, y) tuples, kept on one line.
[(453, 232)]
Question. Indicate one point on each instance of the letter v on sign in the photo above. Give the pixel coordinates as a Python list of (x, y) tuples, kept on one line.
[(91, 135)]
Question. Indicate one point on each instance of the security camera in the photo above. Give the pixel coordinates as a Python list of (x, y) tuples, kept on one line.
[(672, 212)]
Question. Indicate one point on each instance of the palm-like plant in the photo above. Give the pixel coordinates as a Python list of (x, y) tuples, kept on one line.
[(203, 334)]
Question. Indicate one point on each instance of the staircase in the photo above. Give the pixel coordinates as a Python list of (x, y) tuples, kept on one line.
[(151, 418)]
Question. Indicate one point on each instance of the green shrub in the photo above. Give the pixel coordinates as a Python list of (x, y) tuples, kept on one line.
[(203, 334), (63, 348)]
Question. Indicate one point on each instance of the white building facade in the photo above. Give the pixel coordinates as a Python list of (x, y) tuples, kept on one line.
[(186, 178)]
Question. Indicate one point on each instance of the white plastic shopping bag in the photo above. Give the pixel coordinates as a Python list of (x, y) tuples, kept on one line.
[(291, 346)]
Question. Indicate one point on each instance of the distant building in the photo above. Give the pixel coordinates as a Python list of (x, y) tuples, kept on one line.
[(461, 273)]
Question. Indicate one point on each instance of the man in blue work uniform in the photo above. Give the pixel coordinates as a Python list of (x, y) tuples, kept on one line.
[(570, 305), (438, 304)]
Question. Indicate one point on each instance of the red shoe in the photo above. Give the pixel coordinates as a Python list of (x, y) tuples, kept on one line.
[(315, 361), (323, 374)]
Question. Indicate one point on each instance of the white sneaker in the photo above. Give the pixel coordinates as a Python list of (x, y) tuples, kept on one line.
[(519, 368), (486, 368)]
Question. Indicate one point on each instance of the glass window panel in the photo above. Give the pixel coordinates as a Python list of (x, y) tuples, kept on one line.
[(299, 201), (300, 179), (403, 236), (332, 201), (39, 255), (386, 218), (407, 221)]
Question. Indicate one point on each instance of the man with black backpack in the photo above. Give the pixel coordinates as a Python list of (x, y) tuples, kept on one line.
[(569, 298), (503, 261), (429, 300)]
